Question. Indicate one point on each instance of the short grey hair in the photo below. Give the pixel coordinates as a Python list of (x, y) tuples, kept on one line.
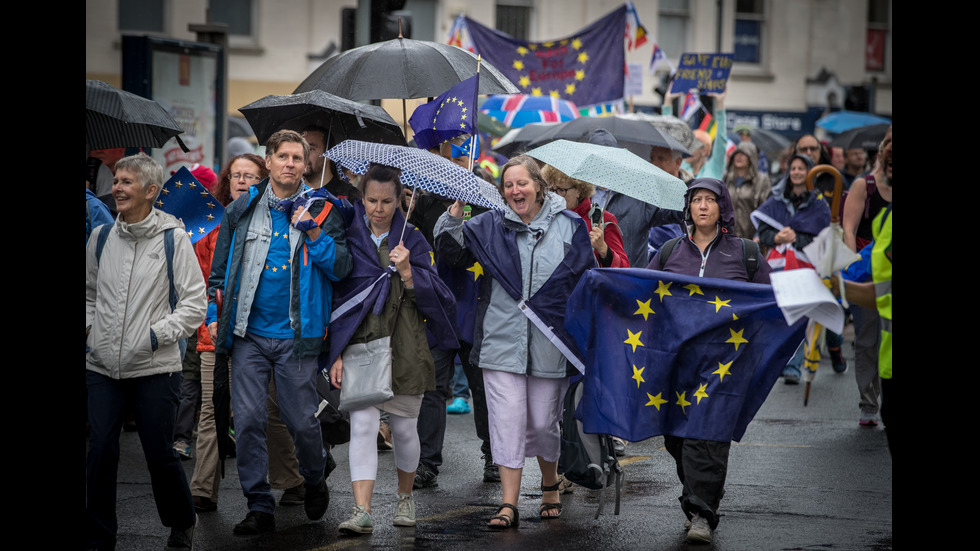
[(147, 170)]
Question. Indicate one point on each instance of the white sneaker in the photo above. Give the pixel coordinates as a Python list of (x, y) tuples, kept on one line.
[(699, 532), (405, 512), (360, 522)]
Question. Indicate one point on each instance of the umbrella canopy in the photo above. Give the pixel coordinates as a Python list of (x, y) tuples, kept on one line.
[(238, 127), (616, 169), (517, 110), (842, 121), (624, 130), (677, 128), (342, 118), (519, 138), (863, 137), (771, 143), (116, 118), (420, 169), (402, 68)]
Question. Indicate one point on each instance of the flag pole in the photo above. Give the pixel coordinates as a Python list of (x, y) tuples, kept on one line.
[(404, 109), (479, 57)]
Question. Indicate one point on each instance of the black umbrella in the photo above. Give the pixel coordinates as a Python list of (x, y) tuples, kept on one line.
[(116, 118), (342, 118), (238, 127), (402, 68), (864, 137), (768, 141), (518, 139), (626, 131)]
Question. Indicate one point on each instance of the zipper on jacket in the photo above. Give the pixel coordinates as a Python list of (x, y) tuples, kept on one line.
[(129, 288)]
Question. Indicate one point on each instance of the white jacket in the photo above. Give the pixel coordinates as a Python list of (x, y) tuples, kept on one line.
[(130, 296)]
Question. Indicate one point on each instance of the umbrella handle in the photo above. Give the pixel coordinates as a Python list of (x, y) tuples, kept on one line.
[(838, 187)]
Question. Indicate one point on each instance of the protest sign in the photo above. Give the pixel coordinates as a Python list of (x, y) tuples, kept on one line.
[(706, 72)]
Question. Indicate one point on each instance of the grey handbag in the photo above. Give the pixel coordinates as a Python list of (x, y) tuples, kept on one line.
[(367, 374)]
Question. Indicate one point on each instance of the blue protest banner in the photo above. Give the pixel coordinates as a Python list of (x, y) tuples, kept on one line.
[(706, 72)]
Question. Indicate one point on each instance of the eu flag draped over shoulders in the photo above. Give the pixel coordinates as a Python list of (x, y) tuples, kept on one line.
[(674, 354), (451, 114), (189, 201), (586, 68)]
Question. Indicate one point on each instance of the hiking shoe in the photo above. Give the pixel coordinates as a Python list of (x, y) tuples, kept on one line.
[(699, 532), (203, 504), (459, 405), (183, 450), (360, 522), (490, 471), (620, 446), (384, 437), (256, 522), (565, 486), (868, 419), (837, 360), (316, 500), (294, 496), (425, 477), (182, 539), (405, 512), (791, 375)]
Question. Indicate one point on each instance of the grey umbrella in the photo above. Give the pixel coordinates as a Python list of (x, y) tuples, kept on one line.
[(772, 143), (625, 131), (402, 68), (864, 137), (116, 118), (342, 118), (517, 139)]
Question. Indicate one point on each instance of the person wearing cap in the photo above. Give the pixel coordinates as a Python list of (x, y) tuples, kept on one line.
[(710, 248)]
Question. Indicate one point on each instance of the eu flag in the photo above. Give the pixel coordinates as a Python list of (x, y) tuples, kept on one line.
[(586, 68), (188, 200), (451, 114), (673, 354)]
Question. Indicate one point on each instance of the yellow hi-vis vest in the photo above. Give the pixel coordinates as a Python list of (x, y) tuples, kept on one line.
[(881, 272)]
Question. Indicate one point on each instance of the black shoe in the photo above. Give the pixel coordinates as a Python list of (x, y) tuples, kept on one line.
[(837, 360), (182, 539), (256, 522), (203, 504), (490, 471), (294, 496), (317, 500), (425, 477)]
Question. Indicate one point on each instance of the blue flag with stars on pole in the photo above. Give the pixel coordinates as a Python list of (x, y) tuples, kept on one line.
[(190, 202), (673, 354), (586, 68), (451, 114)]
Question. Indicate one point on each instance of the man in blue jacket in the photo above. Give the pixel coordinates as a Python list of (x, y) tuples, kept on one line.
[(275, 259)]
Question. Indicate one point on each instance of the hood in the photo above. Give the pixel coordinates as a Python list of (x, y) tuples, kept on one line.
[(727, 211), (154, 223), (749, 149), (553, 205), (782, 187)]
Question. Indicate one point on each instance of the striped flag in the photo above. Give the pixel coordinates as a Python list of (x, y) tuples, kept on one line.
[(636, 33), (709, 125), (691, 106), (658, 58)]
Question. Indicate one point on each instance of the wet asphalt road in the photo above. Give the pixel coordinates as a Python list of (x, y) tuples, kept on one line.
[(802, 478)]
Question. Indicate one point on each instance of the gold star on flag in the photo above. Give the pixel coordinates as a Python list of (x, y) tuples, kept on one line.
[(283, 266), (563, 42), (274, 269), (548, 44), (159, 204), (200, 230), (191, 185), (655, 401), (204, 193), (535, 91), (432, 258), (663, 290), (459, 102), (532, 46), (583, 57), (524, 81), (579, 74), (737, 338), (719, 303), (210, 217), (275, 233), (518, 64), (576, 43), (702, 392), (570, 89), (166, 191), (210, 205), (462, 125), (522, 50), (693, 288), (190, 234), (476, 269), (723, 369), (734, 317), (681, 401), (638, 375), (554, 94), (464, 109), (634, 339), (644, 308)]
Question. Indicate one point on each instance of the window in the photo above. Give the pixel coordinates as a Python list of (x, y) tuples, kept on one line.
[(877, 36), (141, 15), (514, 18), (750, 19), (673, 22), (239, 15)]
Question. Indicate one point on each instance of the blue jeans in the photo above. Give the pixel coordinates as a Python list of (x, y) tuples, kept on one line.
[(154, 399), (256, 359), (461, 389)]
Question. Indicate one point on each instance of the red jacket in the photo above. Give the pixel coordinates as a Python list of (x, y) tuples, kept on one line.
[(204, 249), (611, 234)]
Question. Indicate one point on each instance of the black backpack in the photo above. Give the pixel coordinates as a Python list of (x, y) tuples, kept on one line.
[(750, 254), (588, 460)]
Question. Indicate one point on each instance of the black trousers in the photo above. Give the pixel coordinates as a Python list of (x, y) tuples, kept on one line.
[(702, 466)]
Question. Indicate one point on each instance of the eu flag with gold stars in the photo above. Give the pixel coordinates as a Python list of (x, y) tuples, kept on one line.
[(451, 114), (586, 68), (190, 202), (666, 353)]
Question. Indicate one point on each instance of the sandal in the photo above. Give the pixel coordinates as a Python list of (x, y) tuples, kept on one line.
[(551, 506), (508, 522)]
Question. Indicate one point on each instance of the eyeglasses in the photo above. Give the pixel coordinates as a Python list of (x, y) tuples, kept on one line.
[(239, 175), (561, 190)]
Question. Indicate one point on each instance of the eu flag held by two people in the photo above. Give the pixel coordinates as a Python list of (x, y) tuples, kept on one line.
[(451, 114), (673, 354)]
